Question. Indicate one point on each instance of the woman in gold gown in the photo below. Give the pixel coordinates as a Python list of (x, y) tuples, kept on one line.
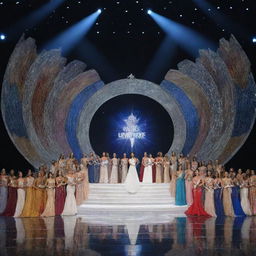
[(39, 195), (49, 210), (227, 202), (29, 181)]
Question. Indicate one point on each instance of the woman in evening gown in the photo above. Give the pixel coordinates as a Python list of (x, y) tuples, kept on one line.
[(235, 197), (166, 165), (132, 183), (209, 195), (124, 167), (218, 196), (84, 172), (79, 186), (96, 169), (29, 181), (196, 209), (12, 195), (62, 164), (153, 168), (189, 185), (180, 197), (173, 174), (114, 171), (227, 202), (91, 168), (3, 190), (39, 195), (49, 210), (70, 207), (21, 195), (252, 192), (104, 168), (148, 172), (60, 193), (142, 166), (194, 164), (245, 203), (159, 167)]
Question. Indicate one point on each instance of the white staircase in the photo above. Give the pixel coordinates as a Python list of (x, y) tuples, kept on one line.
[(114, 197)]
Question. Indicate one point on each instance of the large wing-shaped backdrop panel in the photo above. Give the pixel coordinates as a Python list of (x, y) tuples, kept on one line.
[(45, 101)]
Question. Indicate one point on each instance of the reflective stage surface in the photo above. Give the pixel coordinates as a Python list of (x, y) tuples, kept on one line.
[(82, 236)]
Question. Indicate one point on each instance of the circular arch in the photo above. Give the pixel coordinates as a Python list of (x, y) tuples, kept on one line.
[(131, 86)]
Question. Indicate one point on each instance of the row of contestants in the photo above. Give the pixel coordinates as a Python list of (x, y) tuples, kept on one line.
[(216, 194), (42, 194)]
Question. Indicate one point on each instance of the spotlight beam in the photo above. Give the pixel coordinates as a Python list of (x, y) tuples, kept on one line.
[(34, 18), (188, 39), (220, 19), (70, 37)]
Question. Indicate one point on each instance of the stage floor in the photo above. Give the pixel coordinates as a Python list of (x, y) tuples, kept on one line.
[(138, 234)]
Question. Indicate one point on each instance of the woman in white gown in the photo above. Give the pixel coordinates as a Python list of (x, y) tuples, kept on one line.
[(114, 171), (21, 195), (124, 168), (148, 173), (70, 207), (132, 183), (104, 168)]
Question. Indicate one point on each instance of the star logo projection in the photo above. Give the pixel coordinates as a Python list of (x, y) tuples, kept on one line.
[(132, 130), (131, 123)]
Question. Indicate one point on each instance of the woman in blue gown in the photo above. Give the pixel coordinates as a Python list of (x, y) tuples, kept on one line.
[(235, 196), (91, 168), (180, 196), (218, 196)]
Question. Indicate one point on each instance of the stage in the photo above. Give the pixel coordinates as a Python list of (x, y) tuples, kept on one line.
[(114, 198)]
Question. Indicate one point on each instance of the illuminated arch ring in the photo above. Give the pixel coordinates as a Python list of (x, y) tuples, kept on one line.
[(131, 86)]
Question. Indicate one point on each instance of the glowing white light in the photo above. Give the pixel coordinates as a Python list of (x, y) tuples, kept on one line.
[(2, 37), (131, 131), (254, 40), (149, 12), (99, 11)]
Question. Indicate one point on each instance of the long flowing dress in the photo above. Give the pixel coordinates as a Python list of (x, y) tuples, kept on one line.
[(173, 176), (245, 198), (159, 171), (79, 188), (104, 171), (12, 198), (114, 172), (26, 212), (3, 192), (142, 167), (180, 198), (124, 169), (209, 205), (227, 202), (189, 189), (196, 209), (39, 197), (252, 194), (132, 183), (148, 172), (96, 171), (60, 195), (49, 210), (21, 195), (91, 171), (84, 171), (70, 207), (236, 202), (218, 198), (167, 172)]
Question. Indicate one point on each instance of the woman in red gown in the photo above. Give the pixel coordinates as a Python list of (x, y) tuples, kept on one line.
[(143, 163), (60, 193), (197, 209), (12, 195)]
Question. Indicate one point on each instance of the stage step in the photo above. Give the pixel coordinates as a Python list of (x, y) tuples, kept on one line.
[(108, 197)]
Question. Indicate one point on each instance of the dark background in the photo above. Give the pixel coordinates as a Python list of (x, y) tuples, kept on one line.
[(116, 45), (108, 121)]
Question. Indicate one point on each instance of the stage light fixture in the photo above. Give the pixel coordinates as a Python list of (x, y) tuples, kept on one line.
[(2, 37), (99, 11), (254, 40), (149, 12)]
